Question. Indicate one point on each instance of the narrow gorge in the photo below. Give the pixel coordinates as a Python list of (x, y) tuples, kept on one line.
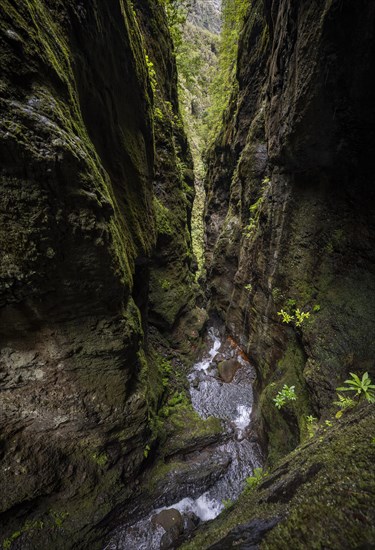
[(187, 275)]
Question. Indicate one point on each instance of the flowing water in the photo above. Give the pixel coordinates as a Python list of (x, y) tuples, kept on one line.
[(231, 402)]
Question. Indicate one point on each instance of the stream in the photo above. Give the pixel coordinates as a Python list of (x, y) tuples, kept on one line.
[(231, 401)]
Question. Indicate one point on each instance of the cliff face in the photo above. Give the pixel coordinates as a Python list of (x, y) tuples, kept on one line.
[(290, 212), (289, 230), (82, 219)]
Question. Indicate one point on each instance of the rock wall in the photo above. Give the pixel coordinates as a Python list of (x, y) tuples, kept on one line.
[(290, 211), (82, 221), (298, 505)]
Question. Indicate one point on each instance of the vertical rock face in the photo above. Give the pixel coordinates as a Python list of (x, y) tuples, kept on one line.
[(290, 213), (80, 226)]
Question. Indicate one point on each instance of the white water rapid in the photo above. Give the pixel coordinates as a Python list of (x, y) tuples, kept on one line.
[(231, 402)]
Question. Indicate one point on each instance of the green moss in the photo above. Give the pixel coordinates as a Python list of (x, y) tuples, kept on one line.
[(100, 458), (169, 294), (286, 427), (322, 493), (47, 40), (179, 429), (7, 543), (164, 218)]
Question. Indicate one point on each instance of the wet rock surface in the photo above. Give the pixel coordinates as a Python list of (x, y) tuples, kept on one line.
[(298, 505), (248, 536), (197, 483), (227, 369), (79, 231)]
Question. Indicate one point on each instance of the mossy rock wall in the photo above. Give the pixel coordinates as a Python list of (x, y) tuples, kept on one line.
[(78, 233), (290, 210), (172, 289), (320, 495)]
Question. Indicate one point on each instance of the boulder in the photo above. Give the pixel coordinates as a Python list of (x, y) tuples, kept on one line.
[(170, 539), (219, 357), (169, 520), (227, 369), (191, 521)]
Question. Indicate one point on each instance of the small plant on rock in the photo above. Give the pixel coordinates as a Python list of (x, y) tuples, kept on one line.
[(311, 423), (254, 480), (301, 316), (286, 317), (361, 386), (146, 451), (344, 403), (286, 394), (298, 317)]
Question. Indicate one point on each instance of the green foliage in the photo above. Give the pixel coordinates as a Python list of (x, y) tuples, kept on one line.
[(311, 423), (146, 451), (249, 287), (196, 58), (164, 218), (361, 386), (178, 398), (344, 403), (227, 503), (151, 73), (233, 13), (254, 216), (301, 316), (58, 518), (286, 317), (291, 313), (7, 543), (277, 294), (285, 395), (158, 113), (53, 520), (254, 480), (166, 370), (176, 12), (100, 459)]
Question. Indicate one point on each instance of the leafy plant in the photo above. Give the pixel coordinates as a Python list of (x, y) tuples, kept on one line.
[(286, 317), (176, 12), (249, 287), (362, 387), (344, 403), (285, 395), (146, 451), (301, 316), (311, 423), (294, 314), (151, 73), (254, 480)]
